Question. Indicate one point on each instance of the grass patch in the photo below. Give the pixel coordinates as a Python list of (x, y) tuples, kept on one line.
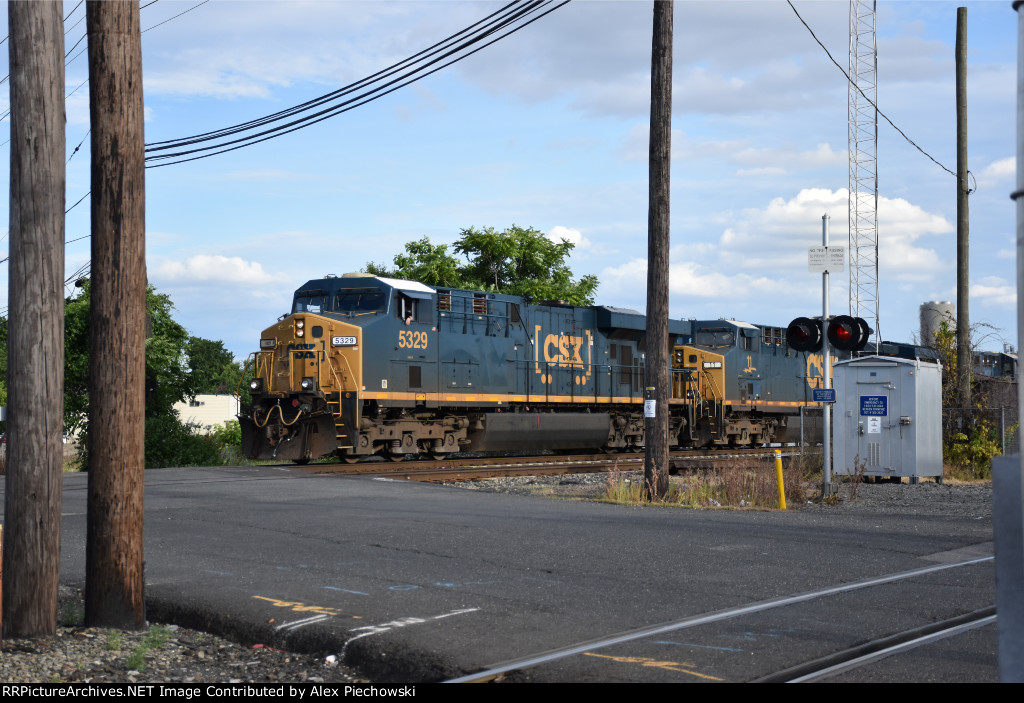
[(735, 483), (154, 639), (71, 614)]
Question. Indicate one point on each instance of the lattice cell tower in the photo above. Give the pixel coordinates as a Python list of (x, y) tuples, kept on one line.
[(862, 132)]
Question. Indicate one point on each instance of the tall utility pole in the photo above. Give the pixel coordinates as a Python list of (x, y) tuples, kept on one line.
[(35, 342), (862, 142), (658, 376), (113, 560), (964, 362)]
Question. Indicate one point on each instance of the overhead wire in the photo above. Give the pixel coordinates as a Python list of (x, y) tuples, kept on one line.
[(859, 90), (323, 98), (505, 18), (512, 21)]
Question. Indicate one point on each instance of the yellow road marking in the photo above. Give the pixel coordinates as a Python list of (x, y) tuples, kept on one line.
[(647, 661), (298, 607)]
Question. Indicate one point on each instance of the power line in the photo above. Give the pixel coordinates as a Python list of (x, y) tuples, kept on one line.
[(506, 18), (172, 18), (511, 20), (872, 102)]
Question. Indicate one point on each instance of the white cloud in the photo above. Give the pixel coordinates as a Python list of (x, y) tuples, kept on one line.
[(558, 233), (1003, 169), (993, 290), (205, 268), (757, 269), (763, 171)]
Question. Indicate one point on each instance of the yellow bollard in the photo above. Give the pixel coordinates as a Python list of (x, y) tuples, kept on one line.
[(778, 479)]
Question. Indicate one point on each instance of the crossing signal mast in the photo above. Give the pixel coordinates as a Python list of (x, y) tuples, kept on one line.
[(843, 332)]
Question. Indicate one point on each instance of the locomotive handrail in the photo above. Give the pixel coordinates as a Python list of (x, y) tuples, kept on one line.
[(337, 378)]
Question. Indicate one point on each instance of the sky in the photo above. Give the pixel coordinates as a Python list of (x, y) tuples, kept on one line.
[(548, 128)]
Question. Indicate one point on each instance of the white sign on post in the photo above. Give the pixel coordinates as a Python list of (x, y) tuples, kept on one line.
[(822, 259)]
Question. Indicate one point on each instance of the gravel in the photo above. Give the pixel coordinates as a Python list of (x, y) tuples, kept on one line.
[(973, 500), (177, 654), (159, 653)]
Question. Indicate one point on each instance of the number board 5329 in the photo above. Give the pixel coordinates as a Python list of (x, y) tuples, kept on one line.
[(343, 341), (412, 339)]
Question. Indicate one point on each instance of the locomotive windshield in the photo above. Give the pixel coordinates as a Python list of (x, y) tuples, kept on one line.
[(715, 338), (311, 301), (360, 301)]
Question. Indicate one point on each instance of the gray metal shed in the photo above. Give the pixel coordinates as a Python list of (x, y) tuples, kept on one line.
[(888, 417)]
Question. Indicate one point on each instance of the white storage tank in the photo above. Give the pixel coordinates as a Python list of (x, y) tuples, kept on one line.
[(888, 417), (933, 314)]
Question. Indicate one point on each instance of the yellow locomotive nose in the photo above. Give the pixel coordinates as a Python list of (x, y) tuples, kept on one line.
[(305, 384)]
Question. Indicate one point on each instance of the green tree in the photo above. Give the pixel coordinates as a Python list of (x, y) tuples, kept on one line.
[(213, 367), (169, 379), (427, 263), (969, 439), (516, 261)]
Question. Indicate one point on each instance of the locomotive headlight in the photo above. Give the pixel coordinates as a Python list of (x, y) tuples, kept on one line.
[(308, 383), (300, 324), (300, 333), (256, 384)]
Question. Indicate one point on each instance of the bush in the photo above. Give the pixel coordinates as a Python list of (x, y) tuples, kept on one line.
[(228, 439), (970, 455), (170, 442)]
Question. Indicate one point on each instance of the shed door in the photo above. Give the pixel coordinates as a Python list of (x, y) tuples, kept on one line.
[(877, 446)]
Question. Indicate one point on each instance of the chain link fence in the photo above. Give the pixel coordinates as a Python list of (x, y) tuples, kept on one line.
[(1002, 423)]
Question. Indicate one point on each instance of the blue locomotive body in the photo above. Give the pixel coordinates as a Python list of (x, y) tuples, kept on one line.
[(368, 365)]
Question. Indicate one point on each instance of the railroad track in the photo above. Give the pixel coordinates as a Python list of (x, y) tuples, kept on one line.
[(473, 468), (665, 644)]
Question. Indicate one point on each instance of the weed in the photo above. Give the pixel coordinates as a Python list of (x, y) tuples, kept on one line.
[(733, 483), (623, 490), (114, 641), (154, 639), (72, 613), (831, 499), (859, 468), (137, 660)]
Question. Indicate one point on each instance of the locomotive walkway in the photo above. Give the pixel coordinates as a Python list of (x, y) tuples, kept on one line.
[(413, 581)]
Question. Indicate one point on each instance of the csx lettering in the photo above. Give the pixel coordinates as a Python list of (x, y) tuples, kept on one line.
[(412, 339), (296, 351), (566, 350)]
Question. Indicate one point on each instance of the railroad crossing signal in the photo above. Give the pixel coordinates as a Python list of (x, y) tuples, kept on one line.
[(844, 333), (848, 333), (804, 334)]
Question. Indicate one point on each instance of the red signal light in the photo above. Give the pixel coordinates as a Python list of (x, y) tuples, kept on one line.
[(848, 333), (804, 334)]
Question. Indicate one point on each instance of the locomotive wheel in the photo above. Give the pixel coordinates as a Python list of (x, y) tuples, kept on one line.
[(350, 459), (396, 457)]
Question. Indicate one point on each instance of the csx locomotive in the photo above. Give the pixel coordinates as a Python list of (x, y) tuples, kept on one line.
[(365, 365)]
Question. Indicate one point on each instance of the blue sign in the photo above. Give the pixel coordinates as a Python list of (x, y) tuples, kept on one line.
[(823, 395), (874, 405)]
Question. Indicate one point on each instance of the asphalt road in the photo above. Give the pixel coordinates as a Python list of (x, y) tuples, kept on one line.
[(417, 582)]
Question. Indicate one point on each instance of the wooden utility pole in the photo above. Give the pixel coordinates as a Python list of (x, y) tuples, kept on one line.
[(117, 367), (35, 341), (656, 409), (964, 362)]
